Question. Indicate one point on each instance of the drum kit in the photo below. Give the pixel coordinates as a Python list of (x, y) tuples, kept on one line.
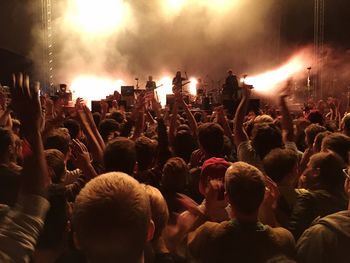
[(209, 94)]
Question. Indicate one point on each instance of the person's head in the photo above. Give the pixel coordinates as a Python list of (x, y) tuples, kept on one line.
[(120, 155), (56, 225), (211, 139), (108, 129), (112, 219), (145, 151), (311, 131), (184, 144), (345, 124), (263, 119), (175, 175), (159, 209), (318, 140), (265, 137), (213, 168), (7, 144), (118, 116), (59, 139), (178, 74), (56, 165), (281, 165), (245, 189), (229, 72), (315, 116), (74, 128), (324, 171), (338, 143), (150, 78)]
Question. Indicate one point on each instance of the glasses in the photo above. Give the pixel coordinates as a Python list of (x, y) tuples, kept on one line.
[(347, 175)]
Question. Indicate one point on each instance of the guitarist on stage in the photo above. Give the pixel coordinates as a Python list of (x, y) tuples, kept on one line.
[(177, 82), (151, 84)]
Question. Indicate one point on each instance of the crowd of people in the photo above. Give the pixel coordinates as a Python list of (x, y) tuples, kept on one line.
[(168, 186)]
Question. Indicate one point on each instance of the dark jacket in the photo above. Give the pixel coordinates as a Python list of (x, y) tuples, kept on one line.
[(309, 206), (328, 240)]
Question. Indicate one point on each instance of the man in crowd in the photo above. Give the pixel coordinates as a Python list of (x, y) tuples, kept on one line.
[(243, 238)]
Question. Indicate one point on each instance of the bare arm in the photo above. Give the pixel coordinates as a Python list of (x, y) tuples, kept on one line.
[(287, 122), (191, 120), (239, 132)]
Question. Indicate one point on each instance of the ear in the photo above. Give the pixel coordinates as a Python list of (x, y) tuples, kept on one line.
[(151, 229)]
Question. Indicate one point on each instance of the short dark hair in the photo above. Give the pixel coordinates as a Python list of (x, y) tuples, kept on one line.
[(184, 144), (311, 131), (211, 138), (331, 168), (145, 151), (73, 127), (58, 139), (175, 175), (338, 143), (55, 161), (120, 156), (266, 136), (318, 140), (245, 187), (111, 218), (118, 116), (107, 127), (279, 162)]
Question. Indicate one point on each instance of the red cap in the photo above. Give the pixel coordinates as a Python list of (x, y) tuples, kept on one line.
[(213, 168)]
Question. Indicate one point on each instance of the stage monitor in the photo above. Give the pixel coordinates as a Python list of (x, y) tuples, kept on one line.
[(127, 90)]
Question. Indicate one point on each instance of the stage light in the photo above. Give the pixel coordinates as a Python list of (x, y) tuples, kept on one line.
[(172, 8), (269, 82), (193, 86), (97, 16), (167, 88), (91, 87)]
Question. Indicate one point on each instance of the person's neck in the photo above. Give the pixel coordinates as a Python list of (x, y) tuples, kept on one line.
[(246, 218)]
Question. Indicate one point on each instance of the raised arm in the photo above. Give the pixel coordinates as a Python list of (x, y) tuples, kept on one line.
[(90, 131), (21, 225), (191, 120), (172, 125), (239, 133), (222, 120), (287, 122)]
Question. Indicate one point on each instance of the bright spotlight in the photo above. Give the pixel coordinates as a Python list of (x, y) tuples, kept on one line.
[(193, 86), (173, 7), (269, 82), (91, 87), (165, 89), (98, 16)]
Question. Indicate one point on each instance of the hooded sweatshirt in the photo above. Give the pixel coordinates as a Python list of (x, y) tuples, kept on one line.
[(328, 240)]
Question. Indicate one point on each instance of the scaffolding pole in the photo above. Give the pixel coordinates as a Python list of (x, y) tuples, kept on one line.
[(48, 46), (319, 22)]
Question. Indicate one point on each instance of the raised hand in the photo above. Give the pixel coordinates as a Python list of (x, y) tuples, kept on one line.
[(26, 103), (80, 154)]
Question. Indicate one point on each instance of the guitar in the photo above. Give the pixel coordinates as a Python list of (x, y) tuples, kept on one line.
[(178, 88)]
